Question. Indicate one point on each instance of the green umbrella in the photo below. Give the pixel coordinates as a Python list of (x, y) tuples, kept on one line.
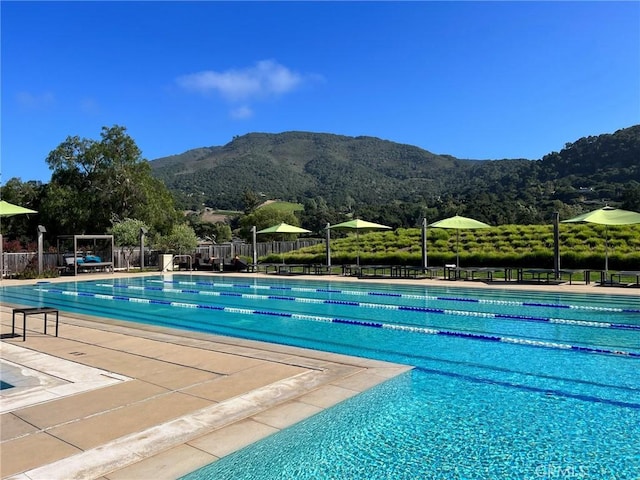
[(9, 209), (458, 222), (607, 216), (357, 225), (283, 228)]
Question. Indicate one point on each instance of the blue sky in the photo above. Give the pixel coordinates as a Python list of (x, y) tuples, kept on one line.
[(470, 79)]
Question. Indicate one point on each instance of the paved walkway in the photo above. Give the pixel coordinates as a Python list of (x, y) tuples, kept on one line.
[(116, 401), (113, 400)]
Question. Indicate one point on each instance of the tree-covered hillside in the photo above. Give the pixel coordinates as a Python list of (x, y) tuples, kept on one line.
[(298, 165), (379, 178)]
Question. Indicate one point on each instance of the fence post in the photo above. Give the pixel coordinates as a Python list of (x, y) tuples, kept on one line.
[(41, 232), (556, 243), (255, 253)]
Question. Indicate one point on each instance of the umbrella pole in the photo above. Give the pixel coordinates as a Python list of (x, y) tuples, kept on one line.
[(282, 249), (457, 248), (425, 257), (255, 251), (606, 251), (328, 246), (357, 249), (556, 244)]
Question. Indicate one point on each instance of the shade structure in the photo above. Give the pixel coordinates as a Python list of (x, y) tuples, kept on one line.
[(458, 223), (9, 209), (607, 216), (359, 225), (283, 228)]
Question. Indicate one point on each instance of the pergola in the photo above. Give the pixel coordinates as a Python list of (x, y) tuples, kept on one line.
[(91, 239)]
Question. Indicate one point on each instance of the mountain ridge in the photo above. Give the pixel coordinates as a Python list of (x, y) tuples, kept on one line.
[(370, 171)]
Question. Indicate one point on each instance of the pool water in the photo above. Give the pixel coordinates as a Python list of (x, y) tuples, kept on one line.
[(507, 384)]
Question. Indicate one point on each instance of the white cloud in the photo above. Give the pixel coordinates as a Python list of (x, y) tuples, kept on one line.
[(30, 100), (241, 113), (266, 79)]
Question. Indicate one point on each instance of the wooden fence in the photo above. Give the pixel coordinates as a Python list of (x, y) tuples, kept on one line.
[(15, 263)]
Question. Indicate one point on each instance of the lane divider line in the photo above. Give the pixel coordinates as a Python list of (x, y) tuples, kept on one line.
[(430, 331), (401, 295), (524, 318)]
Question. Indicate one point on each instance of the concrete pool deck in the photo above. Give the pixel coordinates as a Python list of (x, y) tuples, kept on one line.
[(115, 400)]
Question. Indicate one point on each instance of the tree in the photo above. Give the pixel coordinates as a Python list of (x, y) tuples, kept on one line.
[(219, 232), (317, 214), (250, 201), (126, 233), (222, 232), (182, 240), (94, 180), (632, 197), (25, 194), (265, 217)]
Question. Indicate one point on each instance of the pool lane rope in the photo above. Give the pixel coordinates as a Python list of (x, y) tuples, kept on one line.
[(486, 301), (466, 313), (318, 318)]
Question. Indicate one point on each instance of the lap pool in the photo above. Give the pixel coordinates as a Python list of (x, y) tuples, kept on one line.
[(507, 384)]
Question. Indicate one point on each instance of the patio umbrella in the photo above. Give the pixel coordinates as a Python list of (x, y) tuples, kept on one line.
[(9, 209), (458, 223), (358, 225), (607, 216), (283, 228)]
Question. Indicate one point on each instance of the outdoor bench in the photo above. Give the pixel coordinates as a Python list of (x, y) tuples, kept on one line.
[(376, 271), (537, 274), (571, 272), (627, 273)]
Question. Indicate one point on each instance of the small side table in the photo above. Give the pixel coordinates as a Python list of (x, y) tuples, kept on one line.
[(32, 311)]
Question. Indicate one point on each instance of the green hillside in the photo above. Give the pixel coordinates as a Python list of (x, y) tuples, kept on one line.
[(400, 183), (297, 165), (581, 246)]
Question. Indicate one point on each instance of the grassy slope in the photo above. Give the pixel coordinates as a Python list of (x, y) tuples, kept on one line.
[(581, 246)]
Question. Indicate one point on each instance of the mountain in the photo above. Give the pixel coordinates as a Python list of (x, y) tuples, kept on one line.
[(298, 165), (368, 171)]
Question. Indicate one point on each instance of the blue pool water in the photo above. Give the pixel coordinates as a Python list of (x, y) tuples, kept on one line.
[(507, 384)]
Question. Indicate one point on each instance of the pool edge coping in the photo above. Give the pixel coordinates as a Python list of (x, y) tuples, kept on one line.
[(121, 452)]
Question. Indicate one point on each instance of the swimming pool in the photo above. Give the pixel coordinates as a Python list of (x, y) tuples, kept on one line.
[(506, 385)]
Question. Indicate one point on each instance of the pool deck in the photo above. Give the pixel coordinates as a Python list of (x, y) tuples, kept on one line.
[(114, 400)]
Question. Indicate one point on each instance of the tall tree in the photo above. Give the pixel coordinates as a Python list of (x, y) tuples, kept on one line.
[(266, 217), (250, 201), (93, 181), (126, 234), (25, 194), (181, 240), (631, 198)]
